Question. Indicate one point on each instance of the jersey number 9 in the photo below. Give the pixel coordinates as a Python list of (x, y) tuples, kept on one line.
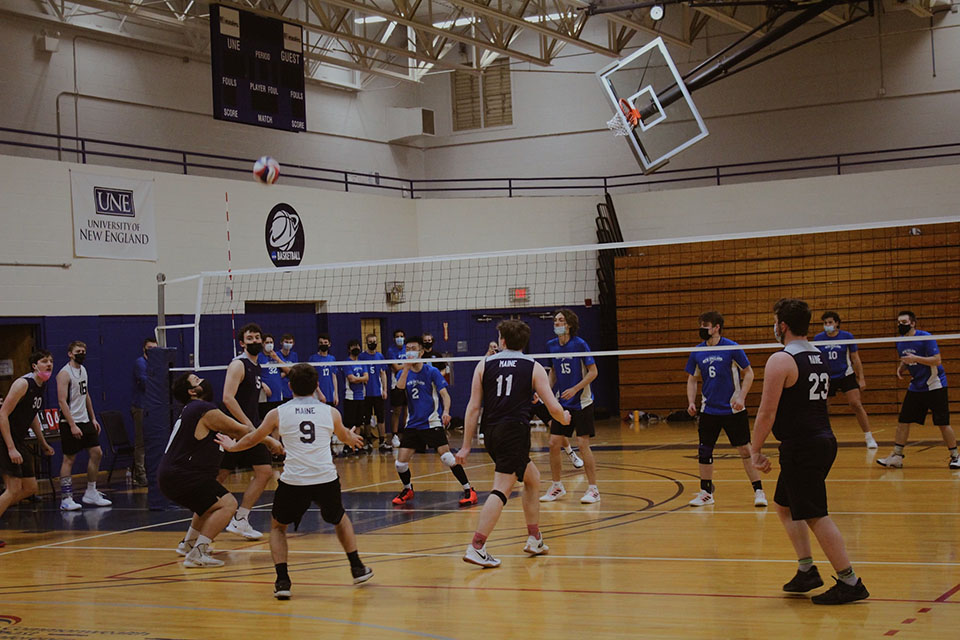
[(309, 432)]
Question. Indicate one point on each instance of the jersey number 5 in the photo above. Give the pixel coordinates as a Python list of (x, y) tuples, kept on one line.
[(309, 432), (820, 386)]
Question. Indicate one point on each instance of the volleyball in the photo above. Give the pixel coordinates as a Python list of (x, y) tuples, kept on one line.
[(266, 170)]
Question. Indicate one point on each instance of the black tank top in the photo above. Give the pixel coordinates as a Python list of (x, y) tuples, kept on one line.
[(186, 455), (248, 392), (507, 389), (802, 412), (26, 410)]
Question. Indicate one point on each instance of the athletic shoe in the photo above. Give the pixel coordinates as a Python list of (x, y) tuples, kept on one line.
[(575, 459), (2, 544), (893, 461), (555, 491), (361, 574), (702, 499), (954, 462), (591, 496), (405, 496), (69, 504), (480, 436), (385, 447), (95, 499), (395, 442), (759, 498), (184, 548), (469, 497), (281, 589), (480, 557), (241, 527), (200, 558), (535, 546), (871, 443), (804, 581), (842, 593)]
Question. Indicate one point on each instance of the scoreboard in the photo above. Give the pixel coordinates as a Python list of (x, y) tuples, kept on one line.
[(257, 65)]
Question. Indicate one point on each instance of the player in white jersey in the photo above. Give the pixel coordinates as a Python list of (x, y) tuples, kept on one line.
[(309, 476), (79, 429)]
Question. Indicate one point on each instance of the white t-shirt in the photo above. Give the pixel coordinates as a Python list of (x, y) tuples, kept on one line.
[(306, 426), (77, 393)]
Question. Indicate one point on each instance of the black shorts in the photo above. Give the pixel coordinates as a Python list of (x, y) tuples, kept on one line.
[(374, 407), (509, 447), (398, 397), (72, 446), (916, 404), (581, 421), (735, 425), (354, 412), (291, 501), (845, 384), (26, 469), (423, 438), (256, 455), (804, 466), (196, 494)]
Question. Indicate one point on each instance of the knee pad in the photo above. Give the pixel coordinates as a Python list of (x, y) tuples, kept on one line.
[(402, 467), (500, 495), (705, 454), (448, 459)]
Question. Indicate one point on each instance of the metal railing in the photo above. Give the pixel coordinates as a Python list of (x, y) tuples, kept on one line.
[(110, 152)]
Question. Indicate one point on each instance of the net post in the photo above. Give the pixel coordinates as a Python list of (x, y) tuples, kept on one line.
[(161, 309)]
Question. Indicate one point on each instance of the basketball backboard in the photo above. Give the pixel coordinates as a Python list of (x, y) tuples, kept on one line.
[(649, 83)]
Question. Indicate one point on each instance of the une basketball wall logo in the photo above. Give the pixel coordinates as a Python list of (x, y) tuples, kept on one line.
[(284, 236)]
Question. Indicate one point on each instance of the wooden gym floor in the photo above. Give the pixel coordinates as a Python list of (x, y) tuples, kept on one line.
[(639, 564)]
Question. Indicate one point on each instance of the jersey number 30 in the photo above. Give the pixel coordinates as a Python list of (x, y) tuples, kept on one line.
[(820, 386)]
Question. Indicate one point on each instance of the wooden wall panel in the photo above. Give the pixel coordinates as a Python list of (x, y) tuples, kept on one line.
[(866, 276)]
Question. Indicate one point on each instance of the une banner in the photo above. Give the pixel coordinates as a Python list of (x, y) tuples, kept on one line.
[(112, 217)]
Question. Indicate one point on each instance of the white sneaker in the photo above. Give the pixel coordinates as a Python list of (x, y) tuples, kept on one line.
[(702, 499), (95, 498), (480, 557), (871, 443), (69, 504), (892, 460), (535, 546), (480, 437), (759, 498), (184, 548), (199, 558), (242, 527), (591, 496), (576, 460), (395, 442), (955, 463), (555, 491)]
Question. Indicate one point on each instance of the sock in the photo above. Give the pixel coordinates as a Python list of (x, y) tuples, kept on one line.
[(91, 487), (405, 479), (898, 449), (593, 487), (66, 487), (805, 564), (202, 539), (281, 568), (354, 558), (758, 485), (953, 452), (568, 450), (533, 530), (847, 576), (191, 535), (867, 435), (479, 540), (706, 485), (242, 513), (461, 475)]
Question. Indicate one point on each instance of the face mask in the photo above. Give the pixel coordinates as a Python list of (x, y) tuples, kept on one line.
[(324, 348), (829, 328), (206, 391), (254, 348), (372, 346), (413, 355), (704, 334), (904, 329), (355, 351), (43, 376), (79, 358), (399, 341), (268, 347), (287, 346), (428, 345), (776, 332), (560, 331)]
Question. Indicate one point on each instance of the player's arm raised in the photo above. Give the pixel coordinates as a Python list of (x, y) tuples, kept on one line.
[(541, 385)]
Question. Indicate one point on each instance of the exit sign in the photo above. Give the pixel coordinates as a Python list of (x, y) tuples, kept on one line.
[(519, 294)]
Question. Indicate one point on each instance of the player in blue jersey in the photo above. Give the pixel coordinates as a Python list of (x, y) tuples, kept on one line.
[(354, 391), (846, 370), (927, 391), (425, 389), (327, 391), (271, 375), (723, 406), (376, 392), (570, 378)]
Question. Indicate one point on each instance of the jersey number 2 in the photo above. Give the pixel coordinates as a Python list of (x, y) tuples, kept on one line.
[(820, 386), (309, 432)]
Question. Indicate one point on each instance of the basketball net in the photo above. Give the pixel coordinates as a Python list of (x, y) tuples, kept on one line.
[(623, 122)]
